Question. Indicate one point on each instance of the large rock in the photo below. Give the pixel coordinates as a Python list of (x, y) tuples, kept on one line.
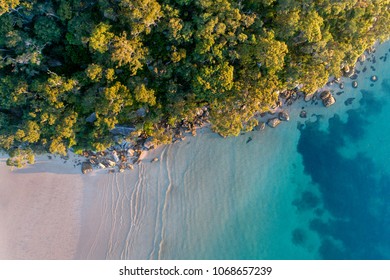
[(327, 98), (92, 118), (329, 101), (86, 167), (122, 130), (348, 71), (141, 112), (283, 116), (325, 94), (274, 122)]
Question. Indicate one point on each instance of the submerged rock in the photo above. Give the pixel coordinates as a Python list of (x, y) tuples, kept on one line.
[(303, 114), (349, 101), (86, 167), (354, 76), (341, 85), (283, 116), (274, 122), (260, 126)]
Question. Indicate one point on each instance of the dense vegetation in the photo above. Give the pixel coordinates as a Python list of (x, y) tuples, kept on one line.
[(63, 60)]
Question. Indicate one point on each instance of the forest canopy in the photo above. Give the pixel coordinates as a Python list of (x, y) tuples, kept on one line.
[(72, 70)]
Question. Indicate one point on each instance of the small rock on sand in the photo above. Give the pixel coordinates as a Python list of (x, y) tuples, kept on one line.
[(86, 167), (274, 122)]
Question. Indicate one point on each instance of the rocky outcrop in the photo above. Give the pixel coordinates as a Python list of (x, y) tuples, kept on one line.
[(86, 167), (274, 122), (283, 116), (354, 84), (374, 78), (327, 98)]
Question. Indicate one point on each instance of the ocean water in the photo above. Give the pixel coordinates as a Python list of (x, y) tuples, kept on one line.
[(314, 188)]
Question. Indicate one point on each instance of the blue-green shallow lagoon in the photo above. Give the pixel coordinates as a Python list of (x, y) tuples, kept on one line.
[(315, 188)]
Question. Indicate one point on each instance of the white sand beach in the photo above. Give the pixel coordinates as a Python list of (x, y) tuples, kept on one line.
[(40, 210)]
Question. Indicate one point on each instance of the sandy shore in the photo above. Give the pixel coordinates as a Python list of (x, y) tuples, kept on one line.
[(40, 210)]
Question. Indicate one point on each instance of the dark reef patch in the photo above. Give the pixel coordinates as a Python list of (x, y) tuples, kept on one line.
[(307, 201), (353, 190), (386, 85), (299, 237)]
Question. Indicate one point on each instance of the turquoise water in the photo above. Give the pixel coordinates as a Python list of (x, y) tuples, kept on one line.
[(314, 188)]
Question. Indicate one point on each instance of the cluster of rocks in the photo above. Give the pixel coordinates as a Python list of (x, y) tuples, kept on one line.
[(184, 127), (327, 98), (121, 157), (289, 96), (115, 159), (282, 116)]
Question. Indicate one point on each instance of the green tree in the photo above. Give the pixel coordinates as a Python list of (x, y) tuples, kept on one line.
[(6, 5)]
